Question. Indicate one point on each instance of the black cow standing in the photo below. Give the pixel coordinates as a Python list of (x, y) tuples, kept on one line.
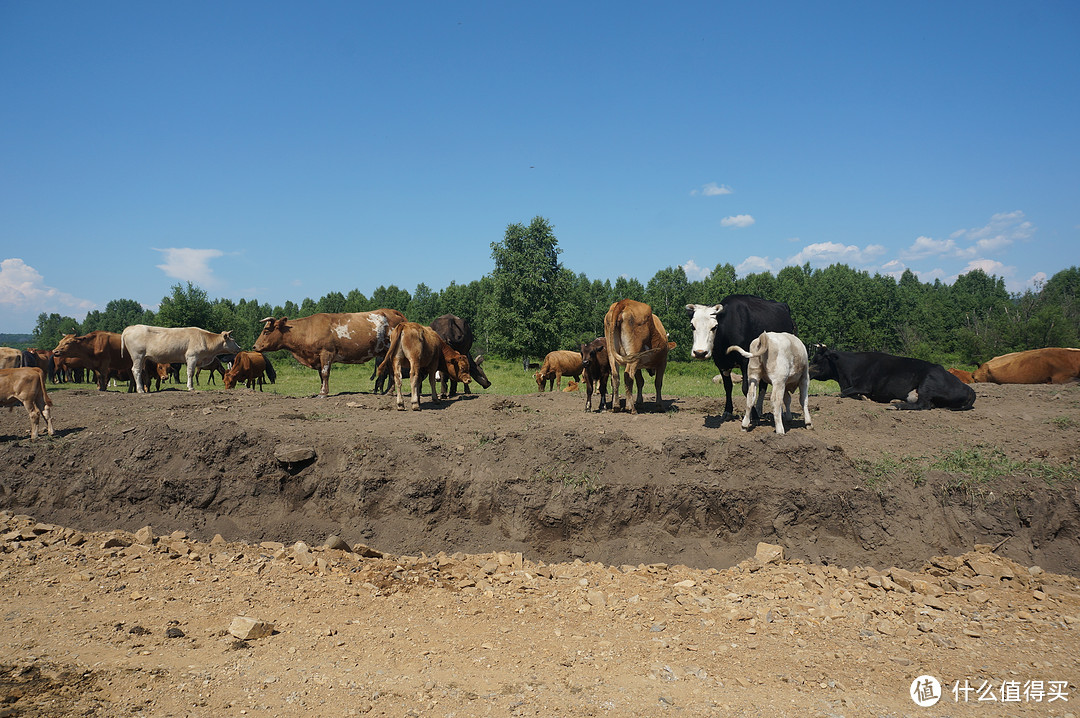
[(736, 321), (596, 371), (884, 377)]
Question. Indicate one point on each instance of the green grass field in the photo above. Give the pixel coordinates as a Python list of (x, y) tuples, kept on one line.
[(507, 379)]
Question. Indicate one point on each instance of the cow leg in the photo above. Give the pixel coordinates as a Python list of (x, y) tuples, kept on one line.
[(779, 398), (751, 397), (588, 393), (399, 401), (759, 407), (324, 374), (729, 410), (804, 399), (34, 414), (658, 382), (639, 378), (192, 367)]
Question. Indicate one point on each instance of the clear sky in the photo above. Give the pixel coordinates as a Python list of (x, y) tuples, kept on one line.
[(275, 151)]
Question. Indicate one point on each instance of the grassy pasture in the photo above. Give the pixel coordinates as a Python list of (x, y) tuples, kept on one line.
[(507, 379)]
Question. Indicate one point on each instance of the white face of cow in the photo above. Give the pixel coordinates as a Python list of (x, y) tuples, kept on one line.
[(703, 320)]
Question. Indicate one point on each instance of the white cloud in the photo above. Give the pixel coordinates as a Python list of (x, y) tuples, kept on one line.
[(990, 266), (1037, 279), (751, 265), (1002, 230), (928, 247), (693, 272), (834, 252), (739, 220), (712, 190), (190, 265), (22, 288)]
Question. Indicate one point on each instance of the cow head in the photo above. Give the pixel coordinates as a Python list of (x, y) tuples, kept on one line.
[(230, 379), (229, 343), (272, 334), (64, 345), (477, 372), (704, 319), (823, 365), (457, 366)]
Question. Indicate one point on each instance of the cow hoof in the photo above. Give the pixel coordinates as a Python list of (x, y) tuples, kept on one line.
[(401, 407)]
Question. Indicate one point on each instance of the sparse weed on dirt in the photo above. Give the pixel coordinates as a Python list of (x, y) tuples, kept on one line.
[(1063, 422), (878, 474), (587, 480)]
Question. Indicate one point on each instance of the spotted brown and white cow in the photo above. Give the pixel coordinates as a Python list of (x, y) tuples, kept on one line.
[(319, 340)]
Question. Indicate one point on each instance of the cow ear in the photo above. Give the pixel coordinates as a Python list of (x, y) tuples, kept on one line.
[(479, 359), (717, 308), (690, 310)]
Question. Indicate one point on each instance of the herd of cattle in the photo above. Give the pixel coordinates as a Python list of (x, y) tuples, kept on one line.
[(755, 335)]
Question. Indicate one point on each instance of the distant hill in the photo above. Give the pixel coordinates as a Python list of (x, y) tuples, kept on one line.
[(19, 341)]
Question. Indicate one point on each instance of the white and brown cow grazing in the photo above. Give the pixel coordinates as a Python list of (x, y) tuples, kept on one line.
[(319, 340), (780, 359), (26, 386), (425, 353), (192, 345), (556, 364), (635, 340), (247, 367)]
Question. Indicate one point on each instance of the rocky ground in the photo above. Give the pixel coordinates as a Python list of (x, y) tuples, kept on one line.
[(516, 556)]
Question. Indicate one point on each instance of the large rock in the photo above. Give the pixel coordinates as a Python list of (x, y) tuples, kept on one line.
[(247, 629), (769, 553)]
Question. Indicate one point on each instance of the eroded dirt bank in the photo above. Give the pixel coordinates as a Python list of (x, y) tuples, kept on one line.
[(536, 474)]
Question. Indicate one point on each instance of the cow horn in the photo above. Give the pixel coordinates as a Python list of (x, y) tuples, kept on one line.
[(266, 319)]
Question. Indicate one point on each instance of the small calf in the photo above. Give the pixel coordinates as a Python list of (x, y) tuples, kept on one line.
[(26, 386), (780, 359)]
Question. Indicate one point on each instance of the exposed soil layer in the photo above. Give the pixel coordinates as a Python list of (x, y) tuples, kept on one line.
[(537, 474)]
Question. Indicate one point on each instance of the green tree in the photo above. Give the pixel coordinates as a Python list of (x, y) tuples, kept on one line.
[(51, 328), (626, 288), (528, 302), (390, 298), (332, 303), (424, 305), (355, 301), (668, 293), (185, 307)]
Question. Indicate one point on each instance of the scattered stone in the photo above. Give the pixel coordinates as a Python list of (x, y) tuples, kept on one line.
[(291, 454), (145, 536), (337, 543), (247, 629), (218, 540), (174, 632), (768, 553), (114, 542)]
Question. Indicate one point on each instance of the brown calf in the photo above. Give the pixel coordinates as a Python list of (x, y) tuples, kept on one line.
[(247, 367), (636, 340), (426, 353), (556, 364), (26, 386)]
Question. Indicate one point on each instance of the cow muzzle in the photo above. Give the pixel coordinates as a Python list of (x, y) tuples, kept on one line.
[(701, 353)]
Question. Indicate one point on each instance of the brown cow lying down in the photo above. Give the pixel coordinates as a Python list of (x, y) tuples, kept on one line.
[(247, 367), (425, 352), (556, 364), (1052, 365), (26, 386), (780, 359)]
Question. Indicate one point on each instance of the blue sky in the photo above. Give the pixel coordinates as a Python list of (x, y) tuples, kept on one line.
[(278, 151)]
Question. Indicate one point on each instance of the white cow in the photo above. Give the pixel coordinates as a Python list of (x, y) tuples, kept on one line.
[(196, 347), (780, 359)]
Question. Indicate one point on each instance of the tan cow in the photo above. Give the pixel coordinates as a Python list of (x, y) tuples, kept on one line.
[(635, 340), (26, 386), (780, 359), (556, 364), (425, 352), (10, 358), (963, 375), (321, 339), (247, 367), (192, 345), (1052, 365), (393, 318)]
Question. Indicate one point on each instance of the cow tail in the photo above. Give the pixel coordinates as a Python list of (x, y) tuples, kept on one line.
[(740, 350), (41, 385), (270, 373), (388, 360), (123, 347)]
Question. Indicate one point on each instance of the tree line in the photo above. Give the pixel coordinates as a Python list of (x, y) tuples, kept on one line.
[(531, 303)]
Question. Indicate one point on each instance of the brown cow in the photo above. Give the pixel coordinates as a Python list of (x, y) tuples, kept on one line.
[(320, 340), (426, 353), (10, 358), (556, 364), (636, 340), (97, 351), (247, 367), (596, 370), (1052, 365), (964, 376), (26, 386)]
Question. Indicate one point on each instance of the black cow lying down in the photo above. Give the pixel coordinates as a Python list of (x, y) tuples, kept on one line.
[(883, 377)]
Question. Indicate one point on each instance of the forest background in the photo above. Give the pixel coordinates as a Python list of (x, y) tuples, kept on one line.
[(530, 304)]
